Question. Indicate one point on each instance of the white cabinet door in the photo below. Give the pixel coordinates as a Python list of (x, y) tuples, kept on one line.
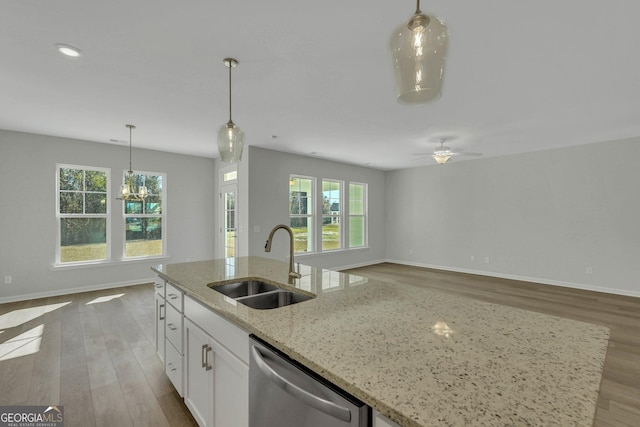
[(160, 319), (380, 420), (198, 393), (231, 389)]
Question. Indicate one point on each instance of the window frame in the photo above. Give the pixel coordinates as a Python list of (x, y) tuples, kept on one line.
[(364, 215), (316, 218), (340, 216), (60, 216), (311, 217), (162, 216)]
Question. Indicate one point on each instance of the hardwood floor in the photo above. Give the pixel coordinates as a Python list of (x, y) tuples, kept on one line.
[(94, 352), (619, 400)]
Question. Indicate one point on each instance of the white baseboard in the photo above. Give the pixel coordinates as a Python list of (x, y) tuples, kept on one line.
[(358, 265), (542, 281), (78, 290)]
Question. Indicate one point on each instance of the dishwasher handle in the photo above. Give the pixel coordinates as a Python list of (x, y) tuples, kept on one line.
[(322, 405)]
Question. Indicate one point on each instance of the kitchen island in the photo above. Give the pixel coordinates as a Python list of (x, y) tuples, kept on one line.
[(419, 356)]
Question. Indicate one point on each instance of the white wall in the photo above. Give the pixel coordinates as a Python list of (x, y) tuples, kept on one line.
[(28, 224), (268, 195), (544, 216)]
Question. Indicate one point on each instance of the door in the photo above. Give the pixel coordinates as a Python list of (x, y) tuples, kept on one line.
[(198, 394), (228, 212), (228, 223)]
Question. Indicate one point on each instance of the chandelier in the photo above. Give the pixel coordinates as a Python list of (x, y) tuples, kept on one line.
[(128, 190)]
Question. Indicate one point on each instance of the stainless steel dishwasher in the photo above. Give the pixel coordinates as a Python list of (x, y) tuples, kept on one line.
[(283, 393)]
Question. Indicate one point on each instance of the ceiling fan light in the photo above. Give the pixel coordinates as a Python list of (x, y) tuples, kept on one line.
[(419, 48), (441, 159)]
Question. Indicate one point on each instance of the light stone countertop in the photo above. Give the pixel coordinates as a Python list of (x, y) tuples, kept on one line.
[(419, 356)]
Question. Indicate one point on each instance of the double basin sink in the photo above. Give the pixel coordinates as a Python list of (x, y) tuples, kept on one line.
[(259, 294)]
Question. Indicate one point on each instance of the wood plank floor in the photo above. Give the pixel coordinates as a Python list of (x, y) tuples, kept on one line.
[(94, 352), (619, 400)]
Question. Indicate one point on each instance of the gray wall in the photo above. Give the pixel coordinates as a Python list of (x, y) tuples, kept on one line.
[(28, 223), (546, 216), (268, 195)]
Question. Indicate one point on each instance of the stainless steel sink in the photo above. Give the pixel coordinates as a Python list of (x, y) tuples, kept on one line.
[(259, 295), (243, 289), (273, 299)]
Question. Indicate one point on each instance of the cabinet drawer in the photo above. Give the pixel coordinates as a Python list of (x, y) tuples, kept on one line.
[(173, 327), (174, 296), (173, 368), (159, 286), (232, 337)]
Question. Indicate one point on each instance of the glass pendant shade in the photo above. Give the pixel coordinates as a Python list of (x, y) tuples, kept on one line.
[(230, 143), (419, 49), (230, 137)]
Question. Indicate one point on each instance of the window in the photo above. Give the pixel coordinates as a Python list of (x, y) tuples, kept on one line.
[(144, 219), (357, 215), (82, 213), (339, 216), (331, 202), (301, 212)]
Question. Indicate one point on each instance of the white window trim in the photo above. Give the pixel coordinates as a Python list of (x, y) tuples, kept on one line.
[(59, 216), (341, 216), (163, 215), (312, 218), (345, 214), (365, 214)]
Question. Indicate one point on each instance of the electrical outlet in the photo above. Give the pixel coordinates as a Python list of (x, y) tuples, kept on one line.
[(486, 260), (7, 280), (589, 270), (410, 251), (473, 258)]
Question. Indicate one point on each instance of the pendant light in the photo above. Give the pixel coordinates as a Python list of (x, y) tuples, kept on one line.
[(230, 137), (419, 47), (128, 190)]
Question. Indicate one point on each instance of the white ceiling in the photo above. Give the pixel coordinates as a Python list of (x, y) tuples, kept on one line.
[(520, 76)]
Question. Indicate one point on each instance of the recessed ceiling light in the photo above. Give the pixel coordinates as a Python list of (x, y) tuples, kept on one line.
[(68, 50)]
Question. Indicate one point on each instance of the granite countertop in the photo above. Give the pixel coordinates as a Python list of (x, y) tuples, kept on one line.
[(419, 356)]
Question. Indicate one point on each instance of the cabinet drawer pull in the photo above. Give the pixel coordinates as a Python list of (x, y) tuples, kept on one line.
[(160, 312), (173, 296), (203, 354), (172, 326), (209, 348), (158, 285)]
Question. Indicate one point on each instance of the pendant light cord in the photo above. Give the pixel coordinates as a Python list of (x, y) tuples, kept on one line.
[(130, 130), (230, 67), (418, 7)]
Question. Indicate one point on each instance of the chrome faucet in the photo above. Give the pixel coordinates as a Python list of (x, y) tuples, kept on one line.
[(267, 248)]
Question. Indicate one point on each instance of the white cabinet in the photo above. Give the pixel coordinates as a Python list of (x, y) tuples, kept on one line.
[(160, 317), (198, 391), (380, 420), (216, 378), (173, 336)]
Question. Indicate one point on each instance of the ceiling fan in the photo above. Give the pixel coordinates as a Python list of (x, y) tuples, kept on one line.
[(443, 153)]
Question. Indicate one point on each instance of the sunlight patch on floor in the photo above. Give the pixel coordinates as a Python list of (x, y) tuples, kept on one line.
[(105, 299), (22, 345), (18, 317)]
